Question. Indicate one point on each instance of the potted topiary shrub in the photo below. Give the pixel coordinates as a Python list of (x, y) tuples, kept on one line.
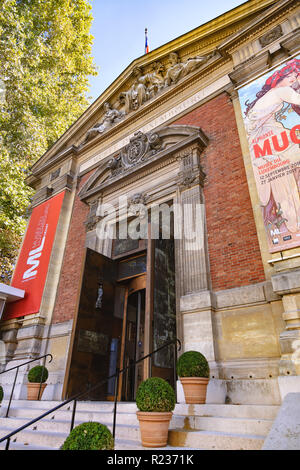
[(36, 385), (89, 436), (155, 400), (193, 371)]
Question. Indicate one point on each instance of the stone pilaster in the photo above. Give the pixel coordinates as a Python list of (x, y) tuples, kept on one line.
[(287, 284), (196, 300)]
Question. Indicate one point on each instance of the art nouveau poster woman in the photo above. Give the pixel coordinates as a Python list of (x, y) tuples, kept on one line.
[(276, 171)]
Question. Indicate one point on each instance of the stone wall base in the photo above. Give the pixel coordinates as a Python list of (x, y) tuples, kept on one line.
[(239, 392)]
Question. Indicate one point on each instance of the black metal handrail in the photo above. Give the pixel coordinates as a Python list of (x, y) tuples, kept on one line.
[(15, 379), (91, 389)]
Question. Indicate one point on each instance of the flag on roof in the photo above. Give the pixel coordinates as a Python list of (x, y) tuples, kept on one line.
[(146, 41)]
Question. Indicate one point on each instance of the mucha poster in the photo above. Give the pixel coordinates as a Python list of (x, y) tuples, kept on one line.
[(271, 112)]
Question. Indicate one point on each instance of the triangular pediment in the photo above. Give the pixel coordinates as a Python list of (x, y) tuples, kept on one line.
[(152, 77)]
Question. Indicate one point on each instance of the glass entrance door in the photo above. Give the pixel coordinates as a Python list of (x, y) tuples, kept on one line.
[(134, 344)]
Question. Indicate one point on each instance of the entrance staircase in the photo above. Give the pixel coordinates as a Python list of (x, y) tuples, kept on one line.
[(205, 427)]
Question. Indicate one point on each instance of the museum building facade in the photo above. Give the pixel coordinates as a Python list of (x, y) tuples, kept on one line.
[(171, 209)]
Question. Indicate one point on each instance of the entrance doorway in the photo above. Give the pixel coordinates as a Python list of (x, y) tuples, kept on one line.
[(133, 345), (126, 310)]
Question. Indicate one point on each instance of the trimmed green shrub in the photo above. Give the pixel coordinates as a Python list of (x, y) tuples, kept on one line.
[(89, 436), (1, 394), (192, 364), (38, 374), (155, 394)]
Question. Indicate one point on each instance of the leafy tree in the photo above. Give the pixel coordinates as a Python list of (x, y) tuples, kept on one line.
[(45, 61)]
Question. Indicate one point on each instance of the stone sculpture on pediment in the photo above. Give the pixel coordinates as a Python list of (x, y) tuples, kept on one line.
[(132, 99), (111, 116), (156, 79), (145, 87), (179, 70)]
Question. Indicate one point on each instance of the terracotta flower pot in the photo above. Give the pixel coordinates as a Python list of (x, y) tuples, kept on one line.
[(154, 428), (33, 390), (194, 389)]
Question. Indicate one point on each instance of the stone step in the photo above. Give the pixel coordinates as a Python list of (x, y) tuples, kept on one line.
[(16, 446), (46, 434), (122, 431), (192, 426), (126, 407), (52, 439), (206, 410), (228, 411), (223, 424), (63, 421), (260, 427), (214, 440), (126, 444), (64, 415)]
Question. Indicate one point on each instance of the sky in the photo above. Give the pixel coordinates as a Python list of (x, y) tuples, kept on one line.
[(119, 30)]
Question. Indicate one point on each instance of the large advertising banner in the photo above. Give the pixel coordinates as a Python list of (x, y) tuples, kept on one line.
[(32, 266), (271, 112)]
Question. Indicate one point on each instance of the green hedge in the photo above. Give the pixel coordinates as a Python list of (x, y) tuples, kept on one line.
[(38, 374), (155, 394), (89, 436), (192, 364)]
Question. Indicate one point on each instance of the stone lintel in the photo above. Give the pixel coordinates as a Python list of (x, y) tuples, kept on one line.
[(286, 282), (238, 296)]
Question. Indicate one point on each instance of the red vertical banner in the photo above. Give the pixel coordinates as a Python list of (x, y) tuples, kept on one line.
[(32, 266)]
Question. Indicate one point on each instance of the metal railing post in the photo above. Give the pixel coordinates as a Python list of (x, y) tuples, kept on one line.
[(73, 415), (115, 401), (7, 444), (41, 380), (12, 392), (174, 368)]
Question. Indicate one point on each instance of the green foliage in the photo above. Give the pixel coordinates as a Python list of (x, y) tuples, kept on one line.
[(45, 61), (1, 394), (192, 364), (155, 394), (89, 436), (38, 374)]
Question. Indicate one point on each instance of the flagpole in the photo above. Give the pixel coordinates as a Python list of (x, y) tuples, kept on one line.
[(146, 41)]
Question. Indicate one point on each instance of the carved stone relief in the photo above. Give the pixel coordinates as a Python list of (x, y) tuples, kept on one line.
[(186, 175), (145, 87), (179, 70), (189, 169), (160, 147), (140, 148), (136, 204), (111, 116), (92, 219), (271, 36)]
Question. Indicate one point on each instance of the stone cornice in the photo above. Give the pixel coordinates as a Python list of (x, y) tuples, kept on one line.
[(256, 27)]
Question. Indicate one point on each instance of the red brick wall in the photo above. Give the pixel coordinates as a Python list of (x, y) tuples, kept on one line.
[(234, 254), (69, 281)]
